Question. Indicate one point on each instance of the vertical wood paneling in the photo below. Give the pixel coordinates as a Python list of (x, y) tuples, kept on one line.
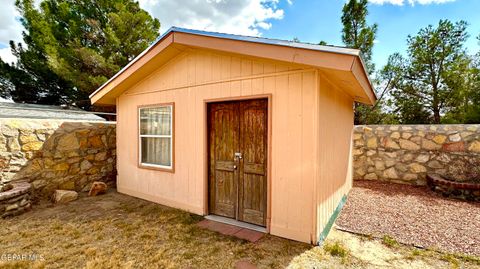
[(308, 113), (257, 84), (279, 206), (246, 70), (225, 66), (336, 124), (293, 119), (294, 141)]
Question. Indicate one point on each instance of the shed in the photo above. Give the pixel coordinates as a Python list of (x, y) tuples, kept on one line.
[(241, 129)]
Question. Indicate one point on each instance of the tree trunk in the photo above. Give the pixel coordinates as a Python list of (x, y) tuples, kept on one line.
[(436, 102), (436, 115)]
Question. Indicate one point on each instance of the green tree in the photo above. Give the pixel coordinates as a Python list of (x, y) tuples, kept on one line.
[(357, 34), (429, 76), (80, 43), (465, 79), (472, 111), (30, 80)]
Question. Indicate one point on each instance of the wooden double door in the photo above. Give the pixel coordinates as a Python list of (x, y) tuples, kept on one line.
[(237, 144)]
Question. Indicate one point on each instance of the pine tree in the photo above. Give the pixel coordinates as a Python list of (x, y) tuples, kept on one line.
[(74, 46), (357, 34)]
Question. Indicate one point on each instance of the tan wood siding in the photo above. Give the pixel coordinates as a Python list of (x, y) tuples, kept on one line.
[(305, 133), (334, 150)]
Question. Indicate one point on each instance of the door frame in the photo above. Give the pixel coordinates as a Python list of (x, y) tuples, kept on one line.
[(269, 149)]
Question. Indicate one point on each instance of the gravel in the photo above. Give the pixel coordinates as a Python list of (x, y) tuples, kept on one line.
[(412, 215)]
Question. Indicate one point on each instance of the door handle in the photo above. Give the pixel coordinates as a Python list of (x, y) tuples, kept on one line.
[(234, 167)]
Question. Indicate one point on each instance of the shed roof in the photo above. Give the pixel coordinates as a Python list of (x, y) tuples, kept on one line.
[(34, 111), (344, 66)]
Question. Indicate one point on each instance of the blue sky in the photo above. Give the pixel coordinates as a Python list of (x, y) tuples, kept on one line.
[(312, 21)]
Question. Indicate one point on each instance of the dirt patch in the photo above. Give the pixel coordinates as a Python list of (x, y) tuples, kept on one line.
[(346, 250), (412, 215)]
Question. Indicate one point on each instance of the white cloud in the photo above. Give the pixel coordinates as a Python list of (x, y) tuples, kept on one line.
[(10, 26), (7, 56), (411, 2), (244, 17), (10, 29)]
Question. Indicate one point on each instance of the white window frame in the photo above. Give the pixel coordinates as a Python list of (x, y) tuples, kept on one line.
[(171, 136)]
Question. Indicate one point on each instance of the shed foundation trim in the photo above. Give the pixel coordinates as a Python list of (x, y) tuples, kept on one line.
[(162, 201), (297, 235), (332, 219)]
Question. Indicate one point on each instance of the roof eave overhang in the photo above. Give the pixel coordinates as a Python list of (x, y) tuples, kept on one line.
[(323, 57)]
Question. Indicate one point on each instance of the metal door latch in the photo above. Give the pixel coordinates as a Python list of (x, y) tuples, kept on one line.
[(238, 155)]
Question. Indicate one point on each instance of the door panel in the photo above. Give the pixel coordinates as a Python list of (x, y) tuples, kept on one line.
[(223, 118), (238, 186), (253, 165)]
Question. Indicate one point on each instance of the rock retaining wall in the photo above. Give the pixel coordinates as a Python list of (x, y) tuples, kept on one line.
[(55, 154), (15, 201), (406, 153)]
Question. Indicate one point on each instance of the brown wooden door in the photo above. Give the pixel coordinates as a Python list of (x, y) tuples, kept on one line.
[(238, 160)]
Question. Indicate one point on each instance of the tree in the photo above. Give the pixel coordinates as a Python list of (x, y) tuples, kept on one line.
[(465, 79), (30, 79), (472, 111), (79, 44), (429, 76), (384, 80), (358, 35)]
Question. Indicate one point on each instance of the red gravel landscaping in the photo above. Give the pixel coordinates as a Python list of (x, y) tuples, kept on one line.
[(412, 215)]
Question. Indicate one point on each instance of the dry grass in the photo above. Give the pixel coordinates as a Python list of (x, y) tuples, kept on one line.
[(118, 231)]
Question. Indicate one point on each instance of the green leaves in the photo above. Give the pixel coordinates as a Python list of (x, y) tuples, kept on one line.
[(431, 81), (437, 81), (356, 33), (79, 43)]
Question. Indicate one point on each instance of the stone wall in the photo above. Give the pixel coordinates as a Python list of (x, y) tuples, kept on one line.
[(15, 201), (55, 154), (406, 153)]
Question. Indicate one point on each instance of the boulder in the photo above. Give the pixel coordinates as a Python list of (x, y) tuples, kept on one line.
[(474, 146), (64, 196), (372, 142), (454, 147), (97, 188), (6, 187), (68, 142), (408, 145)]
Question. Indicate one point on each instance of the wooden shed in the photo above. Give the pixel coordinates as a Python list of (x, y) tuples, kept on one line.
[(243, 129)]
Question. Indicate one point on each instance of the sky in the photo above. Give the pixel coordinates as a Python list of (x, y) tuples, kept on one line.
[(309, 21)]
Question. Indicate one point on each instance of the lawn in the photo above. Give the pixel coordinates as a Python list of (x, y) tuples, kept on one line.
[(118, 231)]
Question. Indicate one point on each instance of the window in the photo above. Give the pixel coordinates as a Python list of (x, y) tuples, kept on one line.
[(156, 136)]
